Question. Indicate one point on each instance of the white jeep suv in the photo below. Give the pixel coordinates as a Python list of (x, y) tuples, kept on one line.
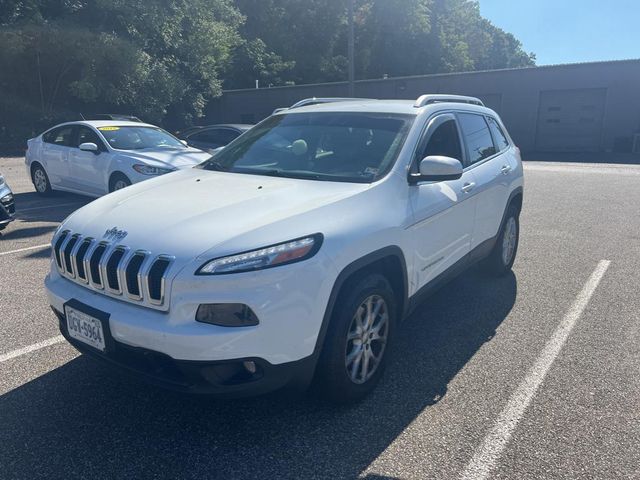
[(294, 253)]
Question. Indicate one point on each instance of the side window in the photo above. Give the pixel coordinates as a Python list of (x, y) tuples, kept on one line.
[(498, 136), (477, 136), (86, 135), (444, 141), (218, 136), (62, 136)]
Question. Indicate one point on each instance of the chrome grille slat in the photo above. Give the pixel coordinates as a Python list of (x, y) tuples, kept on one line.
[(77, 258), (144, 255), (160, 260), (110, 269), (63, 247), (95, 265), (115, 270), (57, 248)]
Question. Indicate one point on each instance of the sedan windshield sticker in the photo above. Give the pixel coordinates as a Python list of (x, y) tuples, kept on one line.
[(108, 129)]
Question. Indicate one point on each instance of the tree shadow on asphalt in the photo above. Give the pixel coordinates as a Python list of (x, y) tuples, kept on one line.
[(83, 420)]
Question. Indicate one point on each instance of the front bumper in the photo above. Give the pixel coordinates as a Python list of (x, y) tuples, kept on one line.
[(7, 206), (222, 379), (289, 301)]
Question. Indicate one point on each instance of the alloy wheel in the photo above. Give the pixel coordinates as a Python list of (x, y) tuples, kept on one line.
[(119, 185), (509, 240), (40, 180), (367, 339)]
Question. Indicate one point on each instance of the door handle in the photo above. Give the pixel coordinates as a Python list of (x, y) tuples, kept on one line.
[(505, 169), (467, 187)]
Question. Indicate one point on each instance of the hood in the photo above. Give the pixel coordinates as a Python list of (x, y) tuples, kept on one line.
[(169, 157), (189, 212)]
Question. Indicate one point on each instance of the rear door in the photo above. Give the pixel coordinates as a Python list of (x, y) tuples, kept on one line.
[(87, 169), (444, 212), (56, 145), (488, 159)]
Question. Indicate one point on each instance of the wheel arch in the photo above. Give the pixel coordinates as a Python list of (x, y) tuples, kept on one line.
[(33, 164), (515, 199), (390, 262)]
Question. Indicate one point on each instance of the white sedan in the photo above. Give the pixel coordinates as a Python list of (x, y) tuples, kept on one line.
[(97, 157)]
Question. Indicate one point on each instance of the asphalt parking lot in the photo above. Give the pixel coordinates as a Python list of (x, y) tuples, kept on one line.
[(532, 376)]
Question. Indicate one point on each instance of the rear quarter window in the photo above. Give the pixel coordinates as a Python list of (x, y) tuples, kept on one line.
[(499, 137), (477, 137), (60, 136)]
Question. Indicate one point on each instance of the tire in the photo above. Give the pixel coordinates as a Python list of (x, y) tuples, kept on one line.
[(118, 181), (40, 180), (501, 258), (342, 379)]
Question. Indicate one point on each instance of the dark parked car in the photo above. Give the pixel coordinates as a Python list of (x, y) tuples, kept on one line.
[(213, 136), (7, 204)]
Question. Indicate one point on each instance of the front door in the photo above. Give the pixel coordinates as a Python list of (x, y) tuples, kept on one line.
[(87, 168), (444, 212)]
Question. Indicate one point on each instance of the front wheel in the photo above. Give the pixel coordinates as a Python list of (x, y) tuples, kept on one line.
[(118, 182), (501, 258), (357, 344)]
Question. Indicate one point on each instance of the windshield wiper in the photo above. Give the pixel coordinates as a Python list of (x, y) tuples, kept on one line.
[(289, 174)]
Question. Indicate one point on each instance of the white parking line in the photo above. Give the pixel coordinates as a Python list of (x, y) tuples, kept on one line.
[(45, 245), (31, 348), (22, 210), (488, 453)]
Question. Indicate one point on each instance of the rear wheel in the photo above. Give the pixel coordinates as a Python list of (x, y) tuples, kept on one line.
[(118, 182), (501, 258), (40, 180), (357, 344)]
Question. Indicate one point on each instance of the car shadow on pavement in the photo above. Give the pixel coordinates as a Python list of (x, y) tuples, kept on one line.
[(38, 216), (82, 420)]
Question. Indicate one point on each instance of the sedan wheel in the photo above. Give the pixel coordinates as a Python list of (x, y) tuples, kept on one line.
[(119, 185), (41, 181)]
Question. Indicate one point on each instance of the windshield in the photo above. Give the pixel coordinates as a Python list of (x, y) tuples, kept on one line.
[(340, 146), (139, 138)]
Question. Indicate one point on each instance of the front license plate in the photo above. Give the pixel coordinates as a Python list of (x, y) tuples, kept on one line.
[(85, 328)]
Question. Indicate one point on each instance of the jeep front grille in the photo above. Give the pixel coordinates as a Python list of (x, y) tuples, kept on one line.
[(116, 270)]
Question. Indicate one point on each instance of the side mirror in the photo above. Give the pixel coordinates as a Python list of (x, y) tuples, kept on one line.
[(89, 147), (184, 142), (437, 168)]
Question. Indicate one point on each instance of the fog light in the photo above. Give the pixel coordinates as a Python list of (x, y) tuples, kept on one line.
[(226, 315), (250, 366)]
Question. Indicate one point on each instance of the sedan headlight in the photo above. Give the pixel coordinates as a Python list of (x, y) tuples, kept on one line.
[(273, 256), (149, 170)]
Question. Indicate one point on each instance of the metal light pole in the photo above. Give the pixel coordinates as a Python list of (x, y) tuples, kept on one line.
[(351, 48)]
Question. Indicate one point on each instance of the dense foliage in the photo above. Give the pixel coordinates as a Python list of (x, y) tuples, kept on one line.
[(163, 60)]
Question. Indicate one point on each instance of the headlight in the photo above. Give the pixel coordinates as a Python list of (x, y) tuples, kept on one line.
[(273, 256), (149, 170)]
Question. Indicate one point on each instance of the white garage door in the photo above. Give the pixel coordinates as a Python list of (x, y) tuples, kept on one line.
[(570, 120)]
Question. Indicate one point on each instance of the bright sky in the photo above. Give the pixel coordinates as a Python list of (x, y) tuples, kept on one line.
[(567, 31)]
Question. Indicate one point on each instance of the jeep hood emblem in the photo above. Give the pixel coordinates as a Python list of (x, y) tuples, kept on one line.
[(114, 234)]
